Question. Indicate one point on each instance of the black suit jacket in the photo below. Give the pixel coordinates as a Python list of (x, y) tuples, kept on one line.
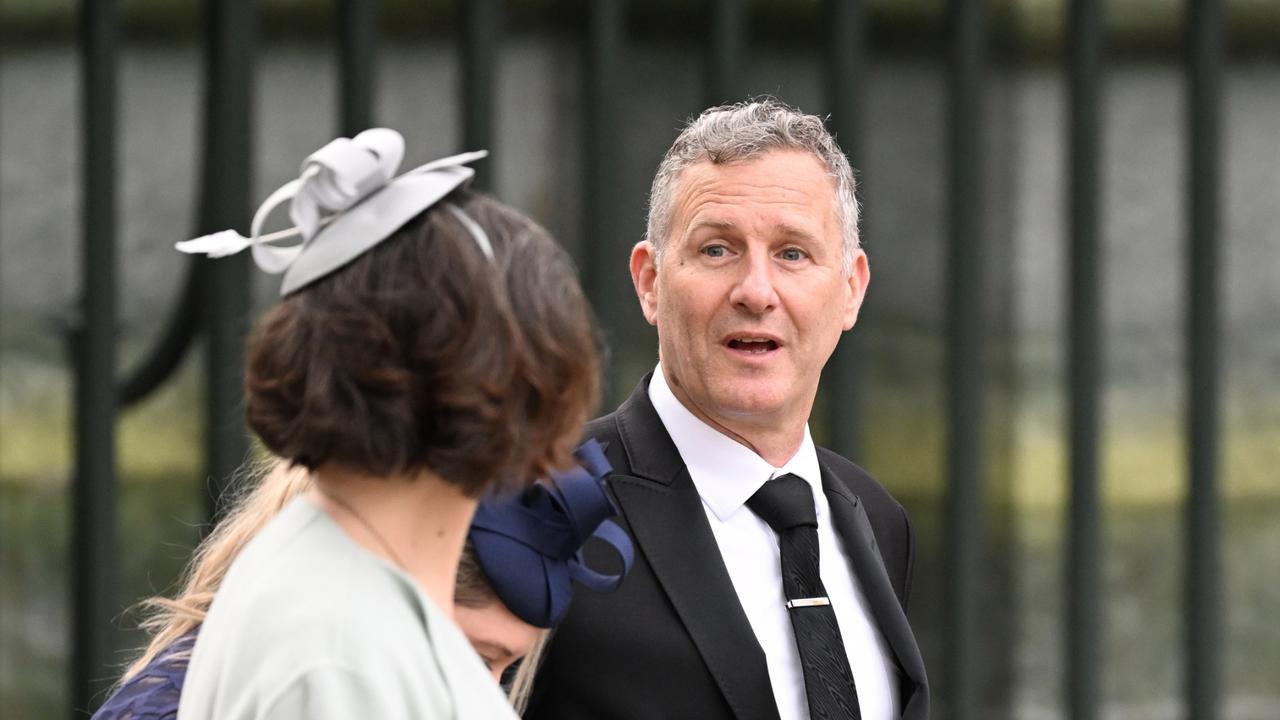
[(673, 641)]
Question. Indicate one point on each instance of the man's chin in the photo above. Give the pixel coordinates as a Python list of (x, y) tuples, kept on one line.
[(748, 403)]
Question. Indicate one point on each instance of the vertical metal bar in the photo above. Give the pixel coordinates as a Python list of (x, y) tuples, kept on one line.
[(965, 377), (1084, 351), (94, 544), (224, 203), (1203, 569), (725, 51), (846, 88), (602, 237), (357, 64), (481, 23), (183, 325)]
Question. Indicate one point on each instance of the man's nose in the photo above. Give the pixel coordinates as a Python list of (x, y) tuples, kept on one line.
[(755, 291)]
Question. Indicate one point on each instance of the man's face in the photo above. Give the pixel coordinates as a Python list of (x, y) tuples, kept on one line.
[(750, 298)]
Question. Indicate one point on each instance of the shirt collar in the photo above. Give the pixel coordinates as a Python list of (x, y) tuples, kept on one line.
[(725, 472)]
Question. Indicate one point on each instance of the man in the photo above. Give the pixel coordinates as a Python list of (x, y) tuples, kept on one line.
[(750, 271)]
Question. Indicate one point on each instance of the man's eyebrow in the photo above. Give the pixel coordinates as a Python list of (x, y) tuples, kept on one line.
[(712, 224), (788, 230)]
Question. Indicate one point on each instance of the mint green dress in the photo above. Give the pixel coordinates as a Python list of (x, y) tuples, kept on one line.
[(307, 624)]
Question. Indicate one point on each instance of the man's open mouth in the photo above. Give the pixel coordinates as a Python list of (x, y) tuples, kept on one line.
[(753, 345)]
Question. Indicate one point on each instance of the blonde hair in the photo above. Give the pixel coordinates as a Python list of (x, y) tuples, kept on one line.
[(474, 590), (168, 619), (522, 684)]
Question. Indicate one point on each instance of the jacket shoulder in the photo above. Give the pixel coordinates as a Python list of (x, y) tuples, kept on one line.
[(604, 430), (889, 520), (859, 481)]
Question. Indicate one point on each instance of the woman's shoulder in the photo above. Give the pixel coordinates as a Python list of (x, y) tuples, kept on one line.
[(349, 655), (303, 577), (303, 595), (310, 613)]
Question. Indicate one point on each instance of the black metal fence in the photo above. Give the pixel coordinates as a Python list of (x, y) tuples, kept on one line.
[(215, 300)]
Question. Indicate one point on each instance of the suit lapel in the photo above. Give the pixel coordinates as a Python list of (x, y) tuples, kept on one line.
[(859, 541), (662, 507)]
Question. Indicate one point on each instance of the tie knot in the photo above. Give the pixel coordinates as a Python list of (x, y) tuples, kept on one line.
[(784, 502)]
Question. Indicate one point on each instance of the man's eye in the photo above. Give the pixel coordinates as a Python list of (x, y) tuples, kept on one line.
[(792, 254), (714, 251)]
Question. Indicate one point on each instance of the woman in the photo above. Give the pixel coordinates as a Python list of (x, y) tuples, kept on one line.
[(395, 371), (152, 685)]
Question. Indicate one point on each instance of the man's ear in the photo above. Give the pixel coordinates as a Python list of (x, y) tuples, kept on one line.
[(644, 275), (858, 278)]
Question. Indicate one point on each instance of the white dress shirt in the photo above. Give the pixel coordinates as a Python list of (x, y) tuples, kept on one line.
[(726, 474)]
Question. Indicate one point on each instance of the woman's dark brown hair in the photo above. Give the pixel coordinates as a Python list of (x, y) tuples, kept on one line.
[(423, 353)]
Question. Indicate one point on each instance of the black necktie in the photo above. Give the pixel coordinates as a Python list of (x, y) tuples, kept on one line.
[(786, 503)]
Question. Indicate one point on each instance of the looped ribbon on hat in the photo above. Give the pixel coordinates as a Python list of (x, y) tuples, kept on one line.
[(334, 179), (530, 546)]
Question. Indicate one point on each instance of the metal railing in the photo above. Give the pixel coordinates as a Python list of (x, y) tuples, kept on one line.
[(215, 300), (1084, 351), (1203, 573), (965, 377), (93, 345)]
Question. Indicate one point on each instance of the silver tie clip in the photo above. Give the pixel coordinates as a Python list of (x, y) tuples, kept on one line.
[(808, 602)]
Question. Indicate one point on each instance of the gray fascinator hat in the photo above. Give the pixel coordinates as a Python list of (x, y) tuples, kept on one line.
[(346, 200)]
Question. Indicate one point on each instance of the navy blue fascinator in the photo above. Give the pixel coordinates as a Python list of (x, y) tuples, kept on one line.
[(530, 545)]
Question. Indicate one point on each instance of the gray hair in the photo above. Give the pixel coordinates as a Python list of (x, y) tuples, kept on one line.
[(745, 131)]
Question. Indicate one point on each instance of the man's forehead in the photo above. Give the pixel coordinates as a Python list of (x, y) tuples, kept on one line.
[(791, 185)]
